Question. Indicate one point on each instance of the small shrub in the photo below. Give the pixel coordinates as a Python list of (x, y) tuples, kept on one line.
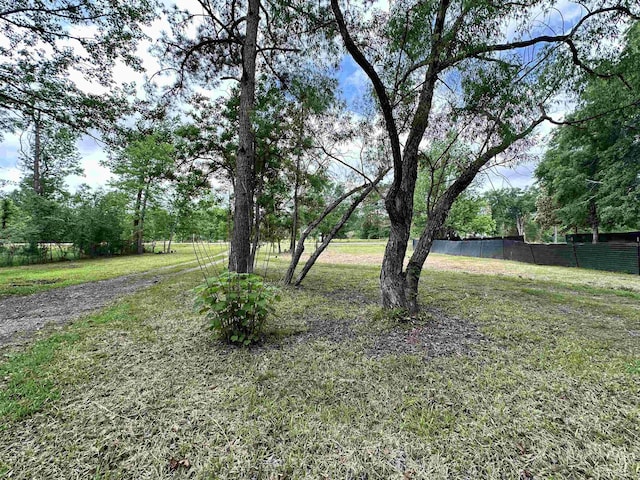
[(237, 305)]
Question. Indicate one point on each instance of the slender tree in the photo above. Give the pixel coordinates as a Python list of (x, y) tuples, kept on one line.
[(421, 49)]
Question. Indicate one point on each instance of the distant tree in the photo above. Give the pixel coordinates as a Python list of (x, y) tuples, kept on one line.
[(591, 170), (98, 225), (547, 213), (48, 155), (470, 215), (141, 166), (8, 210), (512, 209)]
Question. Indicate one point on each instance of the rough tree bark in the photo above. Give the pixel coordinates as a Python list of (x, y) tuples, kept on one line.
[(440, 211), (240, 251)]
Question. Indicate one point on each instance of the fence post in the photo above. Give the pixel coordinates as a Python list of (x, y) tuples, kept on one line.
[(575, 255), (532, 255), (638, 253)]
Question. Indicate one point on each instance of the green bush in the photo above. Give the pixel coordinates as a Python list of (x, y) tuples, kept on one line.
[(237, 305)]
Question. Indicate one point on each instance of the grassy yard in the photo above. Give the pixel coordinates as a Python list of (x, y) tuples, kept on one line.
[(516, 374), (35, 278)]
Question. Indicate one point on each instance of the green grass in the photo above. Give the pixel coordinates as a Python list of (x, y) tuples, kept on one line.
[(35, 278), (552, 390)]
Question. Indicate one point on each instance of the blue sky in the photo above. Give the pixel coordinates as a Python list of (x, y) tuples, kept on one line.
[(352, 82)]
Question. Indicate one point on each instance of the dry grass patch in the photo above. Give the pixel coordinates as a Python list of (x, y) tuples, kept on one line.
[(147, 393)]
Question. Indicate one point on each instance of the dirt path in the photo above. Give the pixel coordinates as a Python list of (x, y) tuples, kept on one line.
[(22, 316)]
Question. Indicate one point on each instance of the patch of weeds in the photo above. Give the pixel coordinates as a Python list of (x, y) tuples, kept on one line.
[(28, 385), (32, 379), (392, 315), (634, 368)]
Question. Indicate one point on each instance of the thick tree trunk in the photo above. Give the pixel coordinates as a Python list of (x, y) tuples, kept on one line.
[(240, 252)]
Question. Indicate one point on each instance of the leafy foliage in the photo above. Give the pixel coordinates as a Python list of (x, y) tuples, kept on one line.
[(237, 304), (512, 210), (591, 170)]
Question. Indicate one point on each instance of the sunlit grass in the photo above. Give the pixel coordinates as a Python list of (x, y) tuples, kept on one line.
[(34, 278)]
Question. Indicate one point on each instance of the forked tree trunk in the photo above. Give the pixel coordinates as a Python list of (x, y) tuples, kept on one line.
[(297, 251), (404, 287), (336, 228), (240, 251)]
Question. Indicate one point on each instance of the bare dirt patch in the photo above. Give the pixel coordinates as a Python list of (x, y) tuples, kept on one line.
[(430, 335), (439, 337), (21, 316)]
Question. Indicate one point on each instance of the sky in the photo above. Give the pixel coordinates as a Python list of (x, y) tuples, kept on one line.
[(352, 82)]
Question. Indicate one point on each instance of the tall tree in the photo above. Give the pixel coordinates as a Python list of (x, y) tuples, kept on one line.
[(421, 49), (141, 166), (48, 154), (512, 209), (234, 38), (50, 43), (592, 170)]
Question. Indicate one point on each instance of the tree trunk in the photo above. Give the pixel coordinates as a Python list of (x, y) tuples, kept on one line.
[(297, 252), (555, 234), (240, 252), (594, 221), (37, 159), (143, 209), (256, 221), (296, 188), (336, 228), (520, 223), (136, 216), (400, 290)]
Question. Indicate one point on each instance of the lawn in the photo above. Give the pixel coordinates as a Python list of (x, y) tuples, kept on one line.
[(35, 278), (529, 374)]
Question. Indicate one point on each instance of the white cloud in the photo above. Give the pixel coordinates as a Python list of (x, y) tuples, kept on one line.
[(95, 175)]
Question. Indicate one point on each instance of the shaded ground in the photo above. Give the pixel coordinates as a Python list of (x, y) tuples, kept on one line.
[(433, 334), (21, 316)]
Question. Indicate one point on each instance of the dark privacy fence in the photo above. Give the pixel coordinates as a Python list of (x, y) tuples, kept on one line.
[(614, 257)]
